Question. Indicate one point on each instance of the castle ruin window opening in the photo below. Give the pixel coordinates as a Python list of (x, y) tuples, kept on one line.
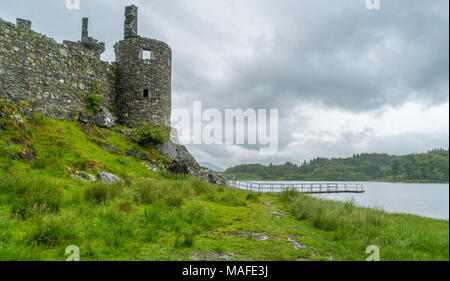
[(145, 93), (146, 54)]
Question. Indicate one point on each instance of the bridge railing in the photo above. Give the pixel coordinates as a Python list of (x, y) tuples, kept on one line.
[(300, 187)]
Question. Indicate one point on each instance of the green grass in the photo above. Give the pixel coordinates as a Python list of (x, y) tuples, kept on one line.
[(161, 216), (97, 193), (149, 133), (399, 236)]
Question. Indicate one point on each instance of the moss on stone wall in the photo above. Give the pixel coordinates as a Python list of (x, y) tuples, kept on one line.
[(43, 73), (57, 79)]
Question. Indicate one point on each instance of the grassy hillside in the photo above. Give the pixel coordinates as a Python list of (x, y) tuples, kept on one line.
[(160, 216)]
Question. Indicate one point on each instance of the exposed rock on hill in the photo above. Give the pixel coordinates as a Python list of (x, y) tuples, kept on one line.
[(86, 118), (104, 119), (108, 178), (184, 163)]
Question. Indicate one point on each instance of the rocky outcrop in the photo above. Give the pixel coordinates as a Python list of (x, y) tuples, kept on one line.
[(184, 163), (174, 136), (137, 154), (104, 119), (212, 177), (18, 122), (86, 118), (10, 112), (151, 167), (13, 119), (27, 151), (84, 176), (108, 178), (182, 160)]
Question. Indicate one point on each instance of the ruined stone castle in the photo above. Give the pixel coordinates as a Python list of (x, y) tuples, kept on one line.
[(40, 75)]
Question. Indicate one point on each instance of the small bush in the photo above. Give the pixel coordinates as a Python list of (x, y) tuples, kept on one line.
[(32, 197), (94, 102), (288, 195), (173, 176), (51, 232), (228, 198), (97, 193), (253, 196), (5, 233), (154, 215), (151, 235), (126, 206), (38, 120), (95, 98), (197, 216), (144, 192), (115, 227), (171, 194), (374, 218), (22, 252), (6, 164), (300, 210), (8, 182), (185, 241), (200, 186), (186, 221), (325, 219), (156, 222), (51, 156), (150, 133)]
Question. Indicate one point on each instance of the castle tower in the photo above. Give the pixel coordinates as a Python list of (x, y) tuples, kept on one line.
[(90, 43), (84, 29), (144, 73)]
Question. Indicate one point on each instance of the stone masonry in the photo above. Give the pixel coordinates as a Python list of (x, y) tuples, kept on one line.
[(40, 75)]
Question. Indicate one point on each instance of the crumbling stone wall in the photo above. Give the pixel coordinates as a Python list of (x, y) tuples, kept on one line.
[(77, 48), (39, 74)]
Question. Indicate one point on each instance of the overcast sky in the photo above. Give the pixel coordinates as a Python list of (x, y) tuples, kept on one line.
[(345, 79)]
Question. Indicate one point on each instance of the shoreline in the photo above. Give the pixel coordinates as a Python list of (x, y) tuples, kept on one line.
[(383, 181), (408, 197)]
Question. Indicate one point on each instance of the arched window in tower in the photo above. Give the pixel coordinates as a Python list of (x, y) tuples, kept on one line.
[(145, 93)]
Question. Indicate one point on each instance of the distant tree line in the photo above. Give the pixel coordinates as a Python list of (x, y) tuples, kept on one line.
[(432, 166), (425, 167)]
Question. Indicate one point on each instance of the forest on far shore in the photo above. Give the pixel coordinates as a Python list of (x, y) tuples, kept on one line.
[(432, 166)]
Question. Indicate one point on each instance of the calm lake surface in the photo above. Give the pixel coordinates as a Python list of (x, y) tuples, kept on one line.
[(423, 199)]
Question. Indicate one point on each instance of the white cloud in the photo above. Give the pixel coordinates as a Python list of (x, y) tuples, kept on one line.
[(411, 117)]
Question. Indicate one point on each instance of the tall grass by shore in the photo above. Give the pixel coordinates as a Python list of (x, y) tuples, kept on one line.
[(399, 236)]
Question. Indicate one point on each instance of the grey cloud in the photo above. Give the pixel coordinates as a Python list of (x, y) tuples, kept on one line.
[(328, 62), (279, 54)]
